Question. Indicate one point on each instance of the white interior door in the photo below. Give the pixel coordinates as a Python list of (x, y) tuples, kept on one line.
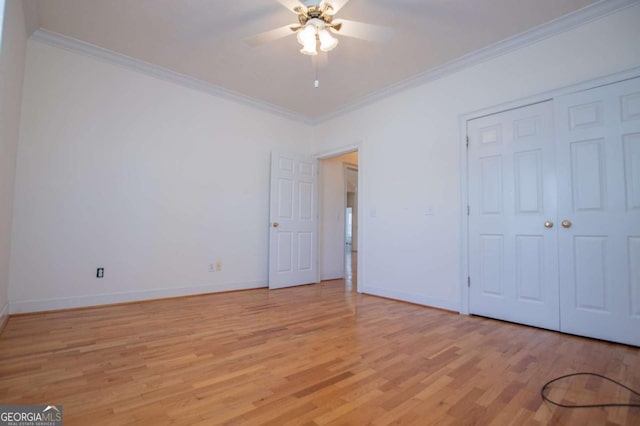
[(598, 133), (293, 257), (513, 258)]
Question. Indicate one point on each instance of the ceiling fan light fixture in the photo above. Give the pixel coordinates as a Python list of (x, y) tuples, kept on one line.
[(327, 41), (309, 49), (317, 26), (307, 35)]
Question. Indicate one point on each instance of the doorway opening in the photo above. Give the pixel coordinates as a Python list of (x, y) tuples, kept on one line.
[(339, 218)]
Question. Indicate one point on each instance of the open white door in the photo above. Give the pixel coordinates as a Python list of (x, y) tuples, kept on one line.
[(293, 257)]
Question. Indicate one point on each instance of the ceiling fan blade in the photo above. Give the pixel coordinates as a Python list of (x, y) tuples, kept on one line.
[(363, 31), (292, 5), (268, 36), (336, 5)]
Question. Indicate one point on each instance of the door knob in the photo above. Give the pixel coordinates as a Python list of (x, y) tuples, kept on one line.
[(548, 224), (566, 224), (276, 224)]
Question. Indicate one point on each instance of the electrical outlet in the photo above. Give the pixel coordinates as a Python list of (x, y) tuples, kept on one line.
[(218, 266), (100, 273)]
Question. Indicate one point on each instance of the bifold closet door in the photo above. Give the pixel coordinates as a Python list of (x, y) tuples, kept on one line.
[(513, 247), (598, 166)]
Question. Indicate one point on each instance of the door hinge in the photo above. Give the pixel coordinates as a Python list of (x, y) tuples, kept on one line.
[(468, 281), (467, 141), (468, 210)]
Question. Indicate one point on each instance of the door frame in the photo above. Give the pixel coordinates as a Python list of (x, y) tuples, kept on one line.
[(464, 165), (323, 155)]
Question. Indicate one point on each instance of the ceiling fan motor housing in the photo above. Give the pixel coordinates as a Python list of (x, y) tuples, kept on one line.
[(320, 12)]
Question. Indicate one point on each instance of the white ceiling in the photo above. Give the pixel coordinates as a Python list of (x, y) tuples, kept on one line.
[(203, 39)]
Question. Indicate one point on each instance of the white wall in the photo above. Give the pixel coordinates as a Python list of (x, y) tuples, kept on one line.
[(150, 180), (410, 157), (12, 57)]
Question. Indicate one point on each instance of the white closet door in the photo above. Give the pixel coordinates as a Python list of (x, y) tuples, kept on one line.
[(512, 193), (598, 155)]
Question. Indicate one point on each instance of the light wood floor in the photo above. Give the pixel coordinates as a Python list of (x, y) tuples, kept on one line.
[(319, 354)]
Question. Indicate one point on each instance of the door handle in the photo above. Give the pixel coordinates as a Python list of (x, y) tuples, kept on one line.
[(566, 224), (275, 224), (548, 224)]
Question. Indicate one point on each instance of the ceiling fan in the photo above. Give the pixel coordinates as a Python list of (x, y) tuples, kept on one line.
[(317, 23)]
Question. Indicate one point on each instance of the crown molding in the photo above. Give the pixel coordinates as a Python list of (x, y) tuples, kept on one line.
[(88, 49), (557, 26)]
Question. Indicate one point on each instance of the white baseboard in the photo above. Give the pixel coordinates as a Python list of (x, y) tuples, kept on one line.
[(335, 275), (27, 306), (413, 298)]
